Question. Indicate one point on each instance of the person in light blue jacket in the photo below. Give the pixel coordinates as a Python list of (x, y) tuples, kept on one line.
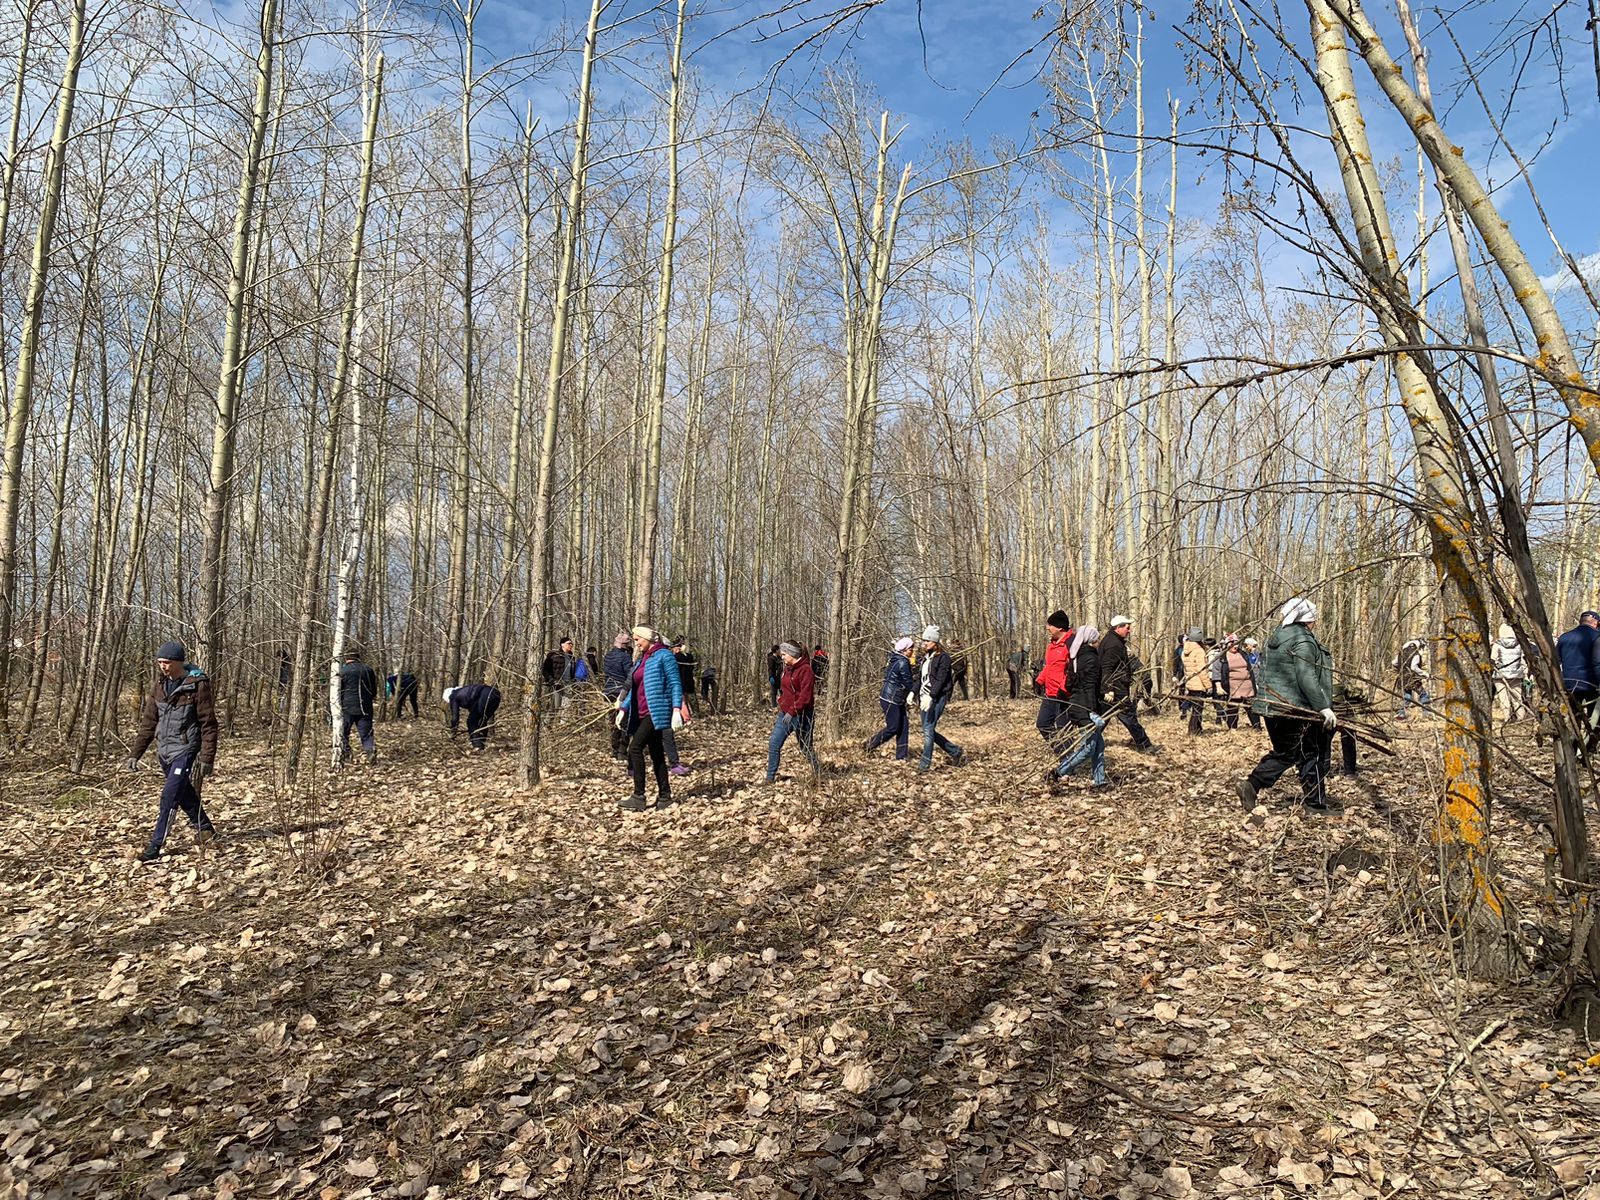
[(652, 703)]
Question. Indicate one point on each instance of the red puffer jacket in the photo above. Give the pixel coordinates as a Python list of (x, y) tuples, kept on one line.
[(1056, 677)]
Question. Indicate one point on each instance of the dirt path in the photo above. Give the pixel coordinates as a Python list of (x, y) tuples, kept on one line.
[(887, 984)]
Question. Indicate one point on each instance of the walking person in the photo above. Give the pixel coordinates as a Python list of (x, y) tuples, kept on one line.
[(1236, 678), (1052, 679), (1412, 676), (1015, 666), (1117, 678), (686, 666), (1085, 709), (651, 704), (1578, 650), (797, 697), (480, 702), (933, 693), (358, 691), (614, 671), (180, 720), (1510, 669), (1296, 698), (1194, 676), (898, 680), (709, 691)]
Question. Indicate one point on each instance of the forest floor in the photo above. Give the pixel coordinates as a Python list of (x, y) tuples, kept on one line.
[(878, 984)]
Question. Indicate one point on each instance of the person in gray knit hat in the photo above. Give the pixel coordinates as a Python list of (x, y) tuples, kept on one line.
[(181, 721)]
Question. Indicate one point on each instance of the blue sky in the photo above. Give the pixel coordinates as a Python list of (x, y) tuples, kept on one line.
[(943, 68)]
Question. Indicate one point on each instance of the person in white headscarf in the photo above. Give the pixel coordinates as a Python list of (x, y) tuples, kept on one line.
[(1295, 695), (1085, 705)]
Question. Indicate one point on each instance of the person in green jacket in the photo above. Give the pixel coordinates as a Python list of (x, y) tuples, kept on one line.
[(1295, 696)]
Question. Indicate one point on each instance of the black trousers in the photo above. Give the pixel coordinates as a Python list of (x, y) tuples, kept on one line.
[(408, 692), (646, 737), (479, 724), (1128, 714), (709, 692), (1016, 683), (1052, 722), (1299, 745)]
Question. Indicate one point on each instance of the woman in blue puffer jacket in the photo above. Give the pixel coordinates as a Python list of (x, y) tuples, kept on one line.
[(652, 703), (898, 679)]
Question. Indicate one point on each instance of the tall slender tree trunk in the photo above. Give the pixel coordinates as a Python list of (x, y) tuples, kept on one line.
[(230, 380)]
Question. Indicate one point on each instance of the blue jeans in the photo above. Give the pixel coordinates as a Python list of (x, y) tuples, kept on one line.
[(178, 792), (1418, 697), (1091, 750), (895, 727), (931, 736), (800, 725)]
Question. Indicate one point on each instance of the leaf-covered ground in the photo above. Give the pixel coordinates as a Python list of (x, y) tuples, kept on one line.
[(879, 984)]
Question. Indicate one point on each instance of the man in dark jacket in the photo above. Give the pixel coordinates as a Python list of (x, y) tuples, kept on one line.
[(1054, 679), (1116, 681), (614, 671), (1296, 698), (358, 689), (181, 721), (1015, 666), (797, 697), (480, 701), (1578, 650), (688, 667)]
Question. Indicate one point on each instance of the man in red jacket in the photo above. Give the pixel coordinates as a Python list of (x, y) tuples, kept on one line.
[(796, 698), (1055, 680)]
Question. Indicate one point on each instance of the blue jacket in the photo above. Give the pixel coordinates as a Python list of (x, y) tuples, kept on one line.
[(1579, 652), (615, 667), (478, 700), (663, 688), (898, 679)]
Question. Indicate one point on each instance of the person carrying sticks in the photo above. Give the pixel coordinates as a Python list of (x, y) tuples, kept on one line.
[(1296, 698)]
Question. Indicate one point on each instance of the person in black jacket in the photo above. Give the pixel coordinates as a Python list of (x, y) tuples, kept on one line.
[(938, 681), (358, 688), (1116, 681), (480, 701), (774, 674), (402, 686), (1084, 708), (898, 678), (614, 671)]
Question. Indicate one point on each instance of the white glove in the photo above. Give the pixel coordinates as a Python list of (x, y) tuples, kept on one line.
[(677, 718), (926, 703), (1330, 719), (622, 715)]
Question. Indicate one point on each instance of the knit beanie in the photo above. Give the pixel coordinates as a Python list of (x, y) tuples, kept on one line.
[(903, 645), (172, 651), (930, 633), (790, 649), (1058, 620), (644, 633)]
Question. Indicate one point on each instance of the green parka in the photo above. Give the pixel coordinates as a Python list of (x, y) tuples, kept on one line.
[(1296, 674)]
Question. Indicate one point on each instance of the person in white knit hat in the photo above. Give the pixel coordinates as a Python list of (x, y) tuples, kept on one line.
[(933, 693)]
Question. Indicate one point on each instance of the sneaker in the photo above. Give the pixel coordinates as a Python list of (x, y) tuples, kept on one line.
[(205, 837), (151, 853), (678, 770), (663, 801), (958, 758), (1147, 748), (1247, 795), (768, 780), (634, 803), (1099, 785)]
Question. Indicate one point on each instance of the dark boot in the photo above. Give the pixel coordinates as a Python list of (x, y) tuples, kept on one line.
[(151, 853), (634, 803), (1247, 795)]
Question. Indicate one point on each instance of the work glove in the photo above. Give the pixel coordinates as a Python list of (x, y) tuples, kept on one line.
[(925, 703), (1330, 719), (622, 716), (132, 764), (677, 719), (198, 772)]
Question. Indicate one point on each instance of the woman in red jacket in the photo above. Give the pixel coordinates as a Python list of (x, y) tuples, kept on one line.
[(796, 700)]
